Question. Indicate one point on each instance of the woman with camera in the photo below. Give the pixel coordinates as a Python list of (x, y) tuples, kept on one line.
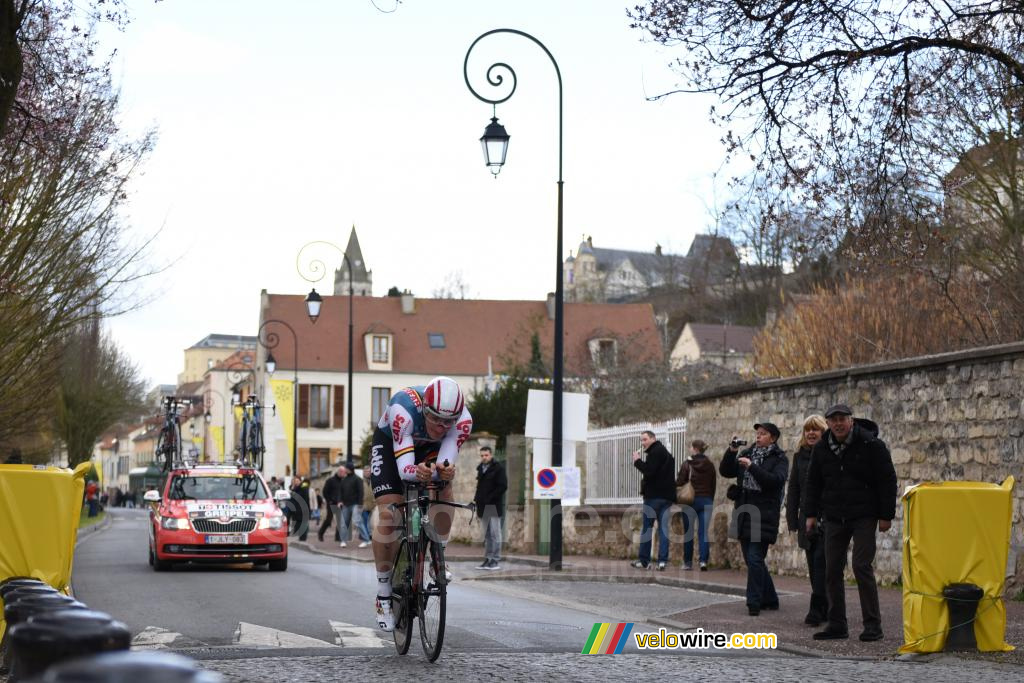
[(760, 473)]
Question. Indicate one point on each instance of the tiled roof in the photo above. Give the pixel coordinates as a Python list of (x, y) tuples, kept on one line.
[(243, 358), (226, 341), (736, 338), (474, 330)]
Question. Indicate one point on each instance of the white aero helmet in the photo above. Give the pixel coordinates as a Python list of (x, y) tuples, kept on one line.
[(442, 398)]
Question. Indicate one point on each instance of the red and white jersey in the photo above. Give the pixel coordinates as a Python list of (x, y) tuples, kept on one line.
[(403, 420)]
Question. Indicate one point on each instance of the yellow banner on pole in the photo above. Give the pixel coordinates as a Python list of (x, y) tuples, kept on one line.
[(218, 442), (284, 397)]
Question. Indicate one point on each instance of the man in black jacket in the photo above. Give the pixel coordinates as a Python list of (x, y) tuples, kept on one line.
[(851, 484), (351, 498), (491, 484), (332, 498), (658, 489)]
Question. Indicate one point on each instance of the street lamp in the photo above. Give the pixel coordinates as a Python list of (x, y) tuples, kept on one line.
[(495, 144), (271, 343), (313, 304), (208, 420)]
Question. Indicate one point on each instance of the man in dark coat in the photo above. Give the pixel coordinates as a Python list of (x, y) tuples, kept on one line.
[(351, 497), (851, 484), (332, 499), (658, 489), (760, 473), (491, 483)]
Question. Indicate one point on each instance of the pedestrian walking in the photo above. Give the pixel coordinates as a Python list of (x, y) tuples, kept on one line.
[(491, 484), (299, 515), (699, 471), (332, 500), (657, 488), (351, 501), (813, 543), (852, 486), (760, 473)]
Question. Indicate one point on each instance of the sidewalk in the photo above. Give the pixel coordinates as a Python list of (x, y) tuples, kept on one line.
[(787, 623)]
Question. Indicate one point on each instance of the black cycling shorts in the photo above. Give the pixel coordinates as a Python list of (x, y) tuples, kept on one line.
[(384, 476)]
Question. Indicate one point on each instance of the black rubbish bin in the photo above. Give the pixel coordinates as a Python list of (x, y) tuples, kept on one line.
[(962, 600), (18, 609), (129, 667), (48, 639)]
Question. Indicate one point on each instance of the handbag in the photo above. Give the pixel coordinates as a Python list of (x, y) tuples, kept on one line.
[(685, 494)]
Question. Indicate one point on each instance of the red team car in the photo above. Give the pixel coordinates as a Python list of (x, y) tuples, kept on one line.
[(217, 514)]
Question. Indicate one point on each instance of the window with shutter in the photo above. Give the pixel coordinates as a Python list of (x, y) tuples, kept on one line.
[(339, 406), (303, 405)]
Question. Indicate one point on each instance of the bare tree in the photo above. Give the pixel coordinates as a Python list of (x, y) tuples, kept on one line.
[(454, 287), (64, 259), (837, 99)]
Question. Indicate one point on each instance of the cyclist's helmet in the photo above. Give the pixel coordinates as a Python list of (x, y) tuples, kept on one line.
[(442, 398)]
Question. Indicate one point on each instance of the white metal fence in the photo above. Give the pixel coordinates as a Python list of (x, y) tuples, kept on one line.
[(610, 475)]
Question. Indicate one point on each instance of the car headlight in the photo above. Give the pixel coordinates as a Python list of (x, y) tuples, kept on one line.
[(174, 523), (274, 522)]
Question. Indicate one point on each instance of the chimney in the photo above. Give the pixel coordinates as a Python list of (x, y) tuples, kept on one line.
[(551, 305), (408, 304)]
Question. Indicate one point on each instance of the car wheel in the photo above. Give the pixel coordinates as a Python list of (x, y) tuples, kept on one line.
[(160, 565), (150, 557), (279, 565)]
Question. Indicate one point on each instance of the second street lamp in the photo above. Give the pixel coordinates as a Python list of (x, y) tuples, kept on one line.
[(271, 343), (495, 143), (313, 304)]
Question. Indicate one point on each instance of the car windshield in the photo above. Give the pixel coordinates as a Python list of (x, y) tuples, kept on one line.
[(241, 487)]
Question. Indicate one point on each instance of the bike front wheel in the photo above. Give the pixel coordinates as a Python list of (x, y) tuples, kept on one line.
[(401, 598), (432, 599)]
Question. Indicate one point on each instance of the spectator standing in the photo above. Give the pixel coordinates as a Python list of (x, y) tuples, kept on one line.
[(92, 498), (760, 473), (491, 484), (351, 502), (657, 488), (700, 471), (813, 543), (332, 499), (368, 504), (852, 486), (316, 506)]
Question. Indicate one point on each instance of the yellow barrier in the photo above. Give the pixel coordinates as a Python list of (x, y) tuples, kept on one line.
[(39, 512), (955, 532)]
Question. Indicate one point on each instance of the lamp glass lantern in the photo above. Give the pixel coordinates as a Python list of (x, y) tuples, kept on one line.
[(313, 303), (271, 363), (495, 144), (208, 417)]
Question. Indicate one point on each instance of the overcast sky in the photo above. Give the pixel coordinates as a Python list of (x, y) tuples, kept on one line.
[(283, 123)]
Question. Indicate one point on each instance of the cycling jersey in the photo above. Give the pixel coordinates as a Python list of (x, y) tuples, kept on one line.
[(401, 441)]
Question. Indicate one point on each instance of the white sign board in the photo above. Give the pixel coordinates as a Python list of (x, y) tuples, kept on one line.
[(542, 453), (575, 411), (557, 482)]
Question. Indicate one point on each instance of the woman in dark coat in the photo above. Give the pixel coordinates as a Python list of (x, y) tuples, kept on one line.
[(813, 544), (760, 473), (700, 471)]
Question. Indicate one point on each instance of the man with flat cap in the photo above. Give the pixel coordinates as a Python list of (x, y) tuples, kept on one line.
[(852, 485)]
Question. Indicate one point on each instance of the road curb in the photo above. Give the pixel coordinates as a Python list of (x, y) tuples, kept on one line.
[(88, 531)]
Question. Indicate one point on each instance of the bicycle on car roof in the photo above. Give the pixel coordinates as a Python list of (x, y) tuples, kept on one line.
[(252, 446), (168, 443)]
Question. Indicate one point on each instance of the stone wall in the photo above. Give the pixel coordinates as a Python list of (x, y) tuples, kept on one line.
[(954, 416)]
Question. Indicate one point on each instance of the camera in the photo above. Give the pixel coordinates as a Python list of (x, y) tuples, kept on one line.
[(736, 443)]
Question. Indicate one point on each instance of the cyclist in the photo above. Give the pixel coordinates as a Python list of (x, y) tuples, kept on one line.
[(421, 429)]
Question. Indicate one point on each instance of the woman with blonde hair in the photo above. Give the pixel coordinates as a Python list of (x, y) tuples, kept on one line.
[(796, 519)]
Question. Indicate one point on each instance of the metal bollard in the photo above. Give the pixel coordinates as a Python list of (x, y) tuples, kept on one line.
[(18, 610), (129, 667), (47, 639)]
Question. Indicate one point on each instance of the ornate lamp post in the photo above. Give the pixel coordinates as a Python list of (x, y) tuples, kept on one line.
[(495, 145), (272, 340), (208, 420), (313, 303)]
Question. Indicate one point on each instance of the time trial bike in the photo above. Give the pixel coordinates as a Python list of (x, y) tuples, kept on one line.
[(168, 443)]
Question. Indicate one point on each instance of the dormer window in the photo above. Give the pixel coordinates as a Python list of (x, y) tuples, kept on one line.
[(435, 340), (381, 348), (603, 353)]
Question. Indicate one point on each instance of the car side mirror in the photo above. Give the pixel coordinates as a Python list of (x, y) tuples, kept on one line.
[(282, 494), (151, 496)]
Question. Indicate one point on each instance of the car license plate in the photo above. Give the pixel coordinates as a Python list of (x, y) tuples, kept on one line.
[(228, 538)]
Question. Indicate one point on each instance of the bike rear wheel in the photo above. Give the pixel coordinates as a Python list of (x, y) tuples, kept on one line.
[(432, 600), (401, 598)]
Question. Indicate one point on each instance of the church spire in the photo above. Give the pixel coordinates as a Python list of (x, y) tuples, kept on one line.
[(362, 277)]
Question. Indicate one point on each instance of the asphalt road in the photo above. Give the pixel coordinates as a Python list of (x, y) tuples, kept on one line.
[(315, 622)]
